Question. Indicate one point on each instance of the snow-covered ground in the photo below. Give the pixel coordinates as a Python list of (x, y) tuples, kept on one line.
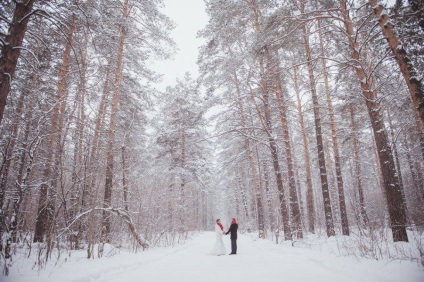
[(257, 260)]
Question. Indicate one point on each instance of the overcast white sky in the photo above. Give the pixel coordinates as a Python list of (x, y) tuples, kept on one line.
[(189, 17)]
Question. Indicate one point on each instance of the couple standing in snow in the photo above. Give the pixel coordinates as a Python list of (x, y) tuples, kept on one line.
[(219, 248)]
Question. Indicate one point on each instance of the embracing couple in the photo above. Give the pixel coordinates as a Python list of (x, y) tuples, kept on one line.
[(219, 248)]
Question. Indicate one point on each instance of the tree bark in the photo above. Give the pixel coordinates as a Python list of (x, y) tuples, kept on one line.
[(20, 182), (243, 194), (94, 156), (183, 160), (20, 189), (8, 156), (397, 163), (256, 186), (357, 165), (257, 28), (336, 151), (267, 126), (332, 186), (420, 131), (420, 183), (294, 202), (11, 50), (410, 74), (45, 203), (80, 161), (392, 189), (415, 181), (112, 127), (268, 194), (309, 188), (182, 196), (320, 146), (124, 179)]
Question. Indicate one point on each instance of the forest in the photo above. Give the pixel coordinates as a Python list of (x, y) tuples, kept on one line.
[(305, 120)]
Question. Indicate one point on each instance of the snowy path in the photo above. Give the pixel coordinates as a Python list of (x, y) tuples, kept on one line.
[(256, 261)]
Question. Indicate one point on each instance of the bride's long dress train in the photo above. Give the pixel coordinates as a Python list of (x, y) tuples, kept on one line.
[(218, 248)]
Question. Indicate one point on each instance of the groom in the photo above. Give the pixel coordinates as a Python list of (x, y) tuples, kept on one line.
[(233, 237)]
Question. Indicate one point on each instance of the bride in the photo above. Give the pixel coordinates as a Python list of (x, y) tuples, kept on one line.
[(218, 248)]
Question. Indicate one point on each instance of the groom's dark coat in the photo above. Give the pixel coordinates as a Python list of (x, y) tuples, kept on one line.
[(233, 231)]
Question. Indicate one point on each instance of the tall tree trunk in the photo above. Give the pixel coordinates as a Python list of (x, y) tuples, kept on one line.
[(45, 202), (256, 185), (183, 202), (243, 194), (336, 151), (298, 187), (392, 189), (357, 165), (183, 160), (107, 202), (294, 202), (267, 126), (171, 186), (332, 186), (11, 50), (415, 182), (420, 131), (410, 74), (258, 191), (259, 196), (81, 162), (320, 146), (94, 156), (268, 194), (397, 163), (11, 145), (56, 172), (258, 173), (8, 156), (26, 144), (309, 188), (420, 183), (124, 178), (20, 188)]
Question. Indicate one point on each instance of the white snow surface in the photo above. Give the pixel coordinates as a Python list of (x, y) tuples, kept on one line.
[(257, 260)]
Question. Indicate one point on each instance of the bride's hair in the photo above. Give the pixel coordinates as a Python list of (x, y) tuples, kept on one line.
[(217, 220)]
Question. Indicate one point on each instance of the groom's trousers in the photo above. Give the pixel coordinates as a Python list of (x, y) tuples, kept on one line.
[(233, 246)]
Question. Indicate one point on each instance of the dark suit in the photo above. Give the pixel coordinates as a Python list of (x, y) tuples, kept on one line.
[(233, 237)]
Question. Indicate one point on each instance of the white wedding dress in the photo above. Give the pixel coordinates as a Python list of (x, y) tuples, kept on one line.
[(218, 248)]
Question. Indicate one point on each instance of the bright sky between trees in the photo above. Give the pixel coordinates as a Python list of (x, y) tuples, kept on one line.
[(189, 17)]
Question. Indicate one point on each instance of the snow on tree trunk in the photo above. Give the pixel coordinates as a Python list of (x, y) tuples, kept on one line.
[(390, 183), (309, 189), (267, 126), (294, 202), (11, 49), (410, 74), (47, 189), (256, 186), (357, 165), (320, 145), (336, 151), (92, 198), (107, 200), (397, 163)]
